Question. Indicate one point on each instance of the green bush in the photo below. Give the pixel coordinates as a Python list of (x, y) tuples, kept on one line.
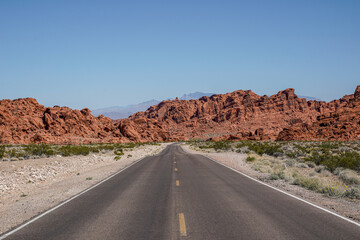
[(250, 159), (2, 151), (38, 150), (70, 150), (15, 153), (349, 159), (119, 152), (220, 145), (264, 148)]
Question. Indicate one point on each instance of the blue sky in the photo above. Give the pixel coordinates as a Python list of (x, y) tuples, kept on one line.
[(106, 53)]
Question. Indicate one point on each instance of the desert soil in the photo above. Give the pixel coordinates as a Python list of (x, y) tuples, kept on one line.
[(30, 187), (345, 207)]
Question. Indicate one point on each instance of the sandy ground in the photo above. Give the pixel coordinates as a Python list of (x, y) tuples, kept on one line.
[(32, 186), (345, 207)]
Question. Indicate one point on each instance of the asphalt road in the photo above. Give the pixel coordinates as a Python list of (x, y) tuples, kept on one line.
[(176, 195)]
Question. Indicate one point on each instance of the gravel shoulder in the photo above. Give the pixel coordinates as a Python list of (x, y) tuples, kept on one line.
[(345, 207), (30, 187)]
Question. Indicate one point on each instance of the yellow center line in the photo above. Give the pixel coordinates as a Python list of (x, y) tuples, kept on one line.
[(176, 169), (182, 224), (177, 183), (174, 161)]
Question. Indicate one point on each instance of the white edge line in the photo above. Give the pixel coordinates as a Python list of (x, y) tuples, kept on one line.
[(63, 203), (293, 196)]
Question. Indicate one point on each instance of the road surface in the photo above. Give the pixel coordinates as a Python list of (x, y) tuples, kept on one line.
[(177, 195)]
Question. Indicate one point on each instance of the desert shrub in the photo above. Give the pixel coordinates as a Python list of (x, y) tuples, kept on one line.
[(119, 152), (260, 168), (302, 165), (291, 154), (250, 159), (333, 191), (261, 148), (310, 183), (244, 149), (99, 147), (319, 169), (349, 177), (349, 159), (15, 153), (277, 175), (311, 164), (290, 162), (2, 151), (217, 145), (306, 149), (38, 150), (353, 193), (221, 145), (70, 150)]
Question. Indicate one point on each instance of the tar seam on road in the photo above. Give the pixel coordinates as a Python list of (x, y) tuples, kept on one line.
[(63, 203), (182, 225), (293, 196)]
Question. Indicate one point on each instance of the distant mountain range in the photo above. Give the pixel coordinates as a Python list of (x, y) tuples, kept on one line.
[(119, 112), (310, 98)]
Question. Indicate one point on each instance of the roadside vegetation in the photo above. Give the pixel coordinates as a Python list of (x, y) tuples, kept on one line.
[(34, 151), (331, 168)]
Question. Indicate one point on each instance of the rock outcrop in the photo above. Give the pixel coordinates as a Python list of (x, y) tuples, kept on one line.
[(238, 115), (25, 121), (343, 124)]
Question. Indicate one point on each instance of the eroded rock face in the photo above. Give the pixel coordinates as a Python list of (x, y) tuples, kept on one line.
[(26, 121), (237, 115), (341, 124), (234, 116)]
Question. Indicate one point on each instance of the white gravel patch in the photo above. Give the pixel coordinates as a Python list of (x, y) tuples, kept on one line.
[(345, 207), (32, 186)]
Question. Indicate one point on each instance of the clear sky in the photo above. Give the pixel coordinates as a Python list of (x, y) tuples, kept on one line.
[(106, 53)]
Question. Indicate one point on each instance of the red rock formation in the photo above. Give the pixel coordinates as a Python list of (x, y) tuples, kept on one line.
[(26, 121), (237, 115), (234, 116), (341, 124)]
